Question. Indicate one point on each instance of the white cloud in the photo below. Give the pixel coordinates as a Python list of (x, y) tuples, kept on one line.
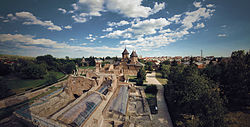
[(72, 39), (108, 29), (68, 27), (158, 7), (85, 9), (32, 20), (27, 39), (154, 33), (133, 8), (199, 25), (12, 17), (62, 10), (197, 15), (91, 38), (197, 4), (30, 42), (223, 26), (121, 23), (175, 18), (149, 26), (79, 19), (165, 31), (84, 44), (210, 5), (221, 35), (140, 28)]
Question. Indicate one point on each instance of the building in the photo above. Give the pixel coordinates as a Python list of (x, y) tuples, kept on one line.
[(130, 65)]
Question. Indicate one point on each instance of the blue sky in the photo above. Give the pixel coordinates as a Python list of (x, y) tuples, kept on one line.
[(78, 28)]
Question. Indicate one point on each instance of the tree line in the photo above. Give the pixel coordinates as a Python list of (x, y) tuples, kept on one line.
[(205, 95)]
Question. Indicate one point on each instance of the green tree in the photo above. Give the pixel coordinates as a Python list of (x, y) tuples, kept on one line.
[(69, 67), (91, 60), (149, 66), (166, 62), (235, 80), (141, 74), (4, 69), (165, 70), (49, 60), (33, 71)]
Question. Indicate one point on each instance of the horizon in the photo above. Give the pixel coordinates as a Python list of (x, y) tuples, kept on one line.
[(104, 28)]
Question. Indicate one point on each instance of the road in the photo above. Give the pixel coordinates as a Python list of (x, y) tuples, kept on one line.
[(162, 119)]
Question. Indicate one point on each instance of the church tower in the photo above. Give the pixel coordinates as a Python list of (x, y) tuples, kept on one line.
[(134, 57), (125, 54)]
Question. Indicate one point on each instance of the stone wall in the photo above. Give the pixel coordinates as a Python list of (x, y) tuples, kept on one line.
[(18, 99), (78, 84)]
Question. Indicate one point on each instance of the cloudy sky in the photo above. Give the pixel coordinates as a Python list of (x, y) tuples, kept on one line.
[(77, 28)]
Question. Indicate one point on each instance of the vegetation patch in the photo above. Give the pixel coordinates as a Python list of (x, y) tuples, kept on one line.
[(162, 80), (151, 92), (18, 85), (87, 67)]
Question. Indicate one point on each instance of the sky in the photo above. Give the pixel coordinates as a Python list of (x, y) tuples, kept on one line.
[(83, 28)]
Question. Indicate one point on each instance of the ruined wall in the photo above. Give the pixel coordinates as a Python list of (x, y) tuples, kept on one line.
[(77, 85), (52, 105), (18, 99)]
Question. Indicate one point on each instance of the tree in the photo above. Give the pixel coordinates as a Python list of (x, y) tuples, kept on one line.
[(91, 60), (174, 63), (165, 70), (69, 67), (108, 58), (166, 62), (141, 74), (49, 60), (67, 58), (4, 69), (235, 80), (33, 71), (149, 66), (212, 110)]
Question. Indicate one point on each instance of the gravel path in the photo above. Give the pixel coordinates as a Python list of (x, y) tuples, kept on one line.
[(162, 119)]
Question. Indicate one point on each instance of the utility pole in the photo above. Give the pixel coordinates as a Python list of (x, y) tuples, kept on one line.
[(201, 54)]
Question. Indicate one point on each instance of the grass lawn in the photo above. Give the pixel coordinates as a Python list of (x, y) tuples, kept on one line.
[(18, 85), (87, 67), (160, 79)]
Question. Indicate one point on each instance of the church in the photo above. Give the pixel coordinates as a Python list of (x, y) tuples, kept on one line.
[(130, 65)]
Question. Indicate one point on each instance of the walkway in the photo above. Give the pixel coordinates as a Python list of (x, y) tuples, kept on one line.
[(162, 119)]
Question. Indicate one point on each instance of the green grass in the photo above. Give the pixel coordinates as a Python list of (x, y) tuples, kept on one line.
[(87, 67), (18, 85), (160, 79)]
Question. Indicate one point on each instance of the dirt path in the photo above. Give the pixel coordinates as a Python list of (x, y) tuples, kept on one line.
[(162, 119)]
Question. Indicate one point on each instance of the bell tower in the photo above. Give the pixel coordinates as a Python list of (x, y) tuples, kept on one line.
[(125, 55)]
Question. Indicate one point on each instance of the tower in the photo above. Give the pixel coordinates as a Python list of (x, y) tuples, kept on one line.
[(125, 54), (134, 57)]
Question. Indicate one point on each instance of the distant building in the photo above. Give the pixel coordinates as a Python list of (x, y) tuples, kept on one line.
[(84, 62)]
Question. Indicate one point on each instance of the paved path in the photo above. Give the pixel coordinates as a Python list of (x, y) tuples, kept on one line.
[(162, 119)]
